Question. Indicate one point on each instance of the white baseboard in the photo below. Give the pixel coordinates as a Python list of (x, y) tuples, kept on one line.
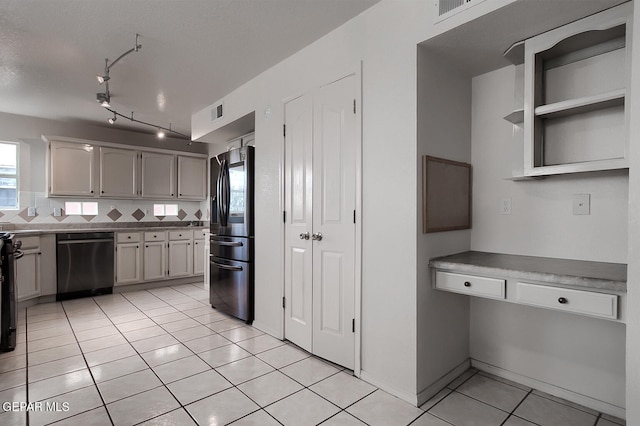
[(427, 393), (405, 396), (595, 404)]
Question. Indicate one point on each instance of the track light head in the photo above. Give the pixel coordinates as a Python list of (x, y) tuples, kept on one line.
[(103, 99), (160, 134), (113, 119), (102, 78)]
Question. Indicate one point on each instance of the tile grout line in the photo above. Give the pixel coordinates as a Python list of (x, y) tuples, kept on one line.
[(95, 384)]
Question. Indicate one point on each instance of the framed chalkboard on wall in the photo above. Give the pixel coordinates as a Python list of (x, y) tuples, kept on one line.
[(446, 195)]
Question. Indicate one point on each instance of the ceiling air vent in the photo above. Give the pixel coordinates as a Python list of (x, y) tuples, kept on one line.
[(216, 112), (446, 8)]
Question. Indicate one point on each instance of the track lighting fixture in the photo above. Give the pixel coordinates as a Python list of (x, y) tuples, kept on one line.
[(104, 98)]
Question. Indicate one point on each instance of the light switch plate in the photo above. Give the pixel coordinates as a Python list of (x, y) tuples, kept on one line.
[(581, 204)]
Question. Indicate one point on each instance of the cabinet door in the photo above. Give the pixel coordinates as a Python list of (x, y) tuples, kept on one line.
[(154, 260), (71, 169), (198, 257), (180, 258), (118, 172), (128, 263), (28, 275), (158, 175), (192, 178)]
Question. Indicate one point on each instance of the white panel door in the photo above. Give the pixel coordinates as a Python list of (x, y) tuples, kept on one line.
[(334, 204), (320, 198), (298, 225)]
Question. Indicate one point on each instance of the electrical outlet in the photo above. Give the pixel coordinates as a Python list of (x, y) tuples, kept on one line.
[(581, 204), (505, 206), (31, 212), (57, 211)]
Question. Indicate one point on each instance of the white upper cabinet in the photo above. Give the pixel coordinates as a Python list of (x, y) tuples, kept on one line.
[(109, 170), (118, 172), (158, 175), (192, 178), (575, 86), (71, 169)]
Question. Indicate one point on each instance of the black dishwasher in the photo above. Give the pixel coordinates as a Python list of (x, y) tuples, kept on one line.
[(85, 264)]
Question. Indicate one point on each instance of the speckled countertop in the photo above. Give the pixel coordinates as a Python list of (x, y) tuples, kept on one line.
[(573, 273), (34, 230)]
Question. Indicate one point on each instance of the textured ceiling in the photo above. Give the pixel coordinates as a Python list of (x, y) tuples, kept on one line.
[(193, 53)]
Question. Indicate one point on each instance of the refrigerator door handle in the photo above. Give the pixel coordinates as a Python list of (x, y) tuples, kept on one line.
[(227, 267), (221, 193), (228, 243)]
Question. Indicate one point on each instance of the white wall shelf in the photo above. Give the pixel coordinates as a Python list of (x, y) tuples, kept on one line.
[(581, 105)]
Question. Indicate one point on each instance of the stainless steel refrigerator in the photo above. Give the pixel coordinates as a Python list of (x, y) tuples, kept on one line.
[(231, 261)]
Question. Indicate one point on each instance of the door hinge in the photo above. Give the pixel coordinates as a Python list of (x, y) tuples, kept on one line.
[(353, 325), (354, 106), (284, 216), (283, 304), (284, 130), (354, 216)]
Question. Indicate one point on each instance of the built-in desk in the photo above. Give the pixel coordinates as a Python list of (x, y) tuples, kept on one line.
[(595, 289)]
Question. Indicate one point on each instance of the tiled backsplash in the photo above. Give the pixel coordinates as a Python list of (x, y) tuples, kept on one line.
[(109, 211)]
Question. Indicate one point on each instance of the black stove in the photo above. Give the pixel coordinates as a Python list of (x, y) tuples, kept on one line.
[(9, 253)]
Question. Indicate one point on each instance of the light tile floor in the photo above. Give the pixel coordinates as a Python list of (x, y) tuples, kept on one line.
[(165, 357)]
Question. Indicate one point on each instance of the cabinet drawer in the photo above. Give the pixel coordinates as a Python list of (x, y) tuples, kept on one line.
[(471, 284), (154, 236), (577, 301), (200, 234), (187, 234), (128, 237)]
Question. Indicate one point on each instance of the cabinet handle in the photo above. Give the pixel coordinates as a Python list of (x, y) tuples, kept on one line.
[(102, 192), (129, 236), (146, 246), (467, 284), (562, 300), (92, 192)]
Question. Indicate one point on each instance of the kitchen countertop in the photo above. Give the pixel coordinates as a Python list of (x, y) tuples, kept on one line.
[(567, 272), (101, 227)]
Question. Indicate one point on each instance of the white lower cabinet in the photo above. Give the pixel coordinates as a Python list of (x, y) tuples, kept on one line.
[(180, 253), (198, 257), (155, 255), (128, 258), (28, 275)]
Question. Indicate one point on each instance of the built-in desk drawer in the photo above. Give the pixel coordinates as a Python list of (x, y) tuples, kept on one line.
[(471, 284), (576, 301)]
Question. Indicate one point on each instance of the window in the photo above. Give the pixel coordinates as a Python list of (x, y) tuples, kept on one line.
[(165, 209), (81, 208), (8, 176)]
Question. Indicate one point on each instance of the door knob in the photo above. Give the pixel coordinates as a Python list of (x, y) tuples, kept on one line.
[(304, 236), (317, 236)]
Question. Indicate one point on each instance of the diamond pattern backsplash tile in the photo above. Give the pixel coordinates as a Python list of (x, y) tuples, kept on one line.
[(182, 214), (88, 218), (114, 214), (1, 214), (24, 214), (198, 214), (160, 218), (60, 218), (138, 215)]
